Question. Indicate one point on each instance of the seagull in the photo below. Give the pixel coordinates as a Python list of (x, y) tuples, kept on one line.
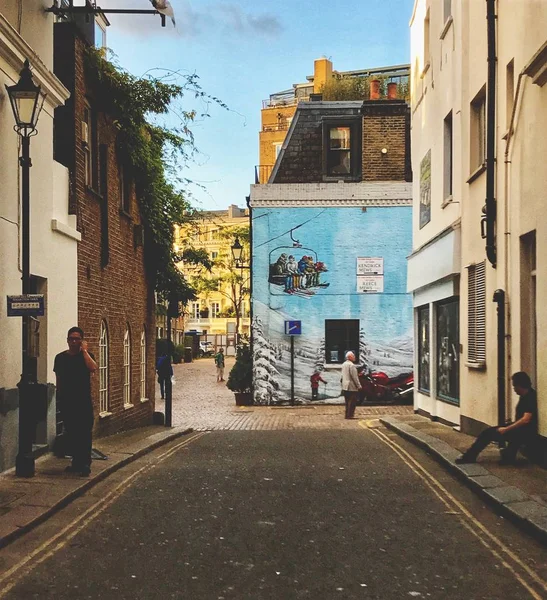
[(164, 7)]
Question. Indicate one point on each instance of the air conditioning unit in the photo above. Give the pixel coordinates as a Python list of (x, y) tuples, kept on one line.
[(85, 133)]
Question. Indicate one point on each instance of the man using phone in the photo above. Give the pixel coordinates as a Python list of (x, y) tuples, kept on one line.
[(73, 369)]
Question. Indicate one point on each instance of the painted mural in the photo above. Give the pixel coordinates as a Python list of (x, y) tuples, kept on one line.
[(329, 265)]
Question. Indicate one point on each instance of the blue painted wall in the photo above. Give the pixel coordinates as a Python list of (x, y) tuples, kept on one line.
[(335, 237)]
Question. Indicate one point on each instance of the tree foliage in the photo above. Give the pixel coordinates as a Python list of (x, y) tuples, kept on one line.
[(358, 88), (155, 151)]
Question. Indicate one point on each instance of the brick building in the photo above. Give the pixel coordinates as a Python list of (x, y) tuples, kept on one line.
[(331, 232), (115, 293)]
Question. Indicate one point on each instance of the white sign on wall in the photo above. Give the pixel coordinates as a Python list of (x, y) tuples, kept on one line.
[(369, 265), (370, 284)]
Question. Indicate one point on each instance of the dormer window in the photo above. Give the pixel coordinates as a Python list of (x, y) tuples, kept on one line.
[(342, 149)]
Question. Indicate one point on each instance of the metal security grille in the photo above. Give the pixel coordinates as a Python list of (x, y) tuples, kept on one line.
[(143, 364), (103, 369), (127, 368), (476, 347)]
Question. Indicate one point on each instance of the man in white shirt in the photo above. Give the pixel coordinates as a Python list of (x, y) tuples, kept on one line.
[(350, 384)]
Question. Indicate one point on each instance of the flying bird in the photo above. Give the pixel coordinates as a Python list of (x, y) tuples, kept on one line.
[(164, 7)]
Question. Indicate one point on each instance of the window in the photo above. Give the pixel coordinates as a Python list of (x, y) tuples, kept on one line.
[(476, 315), (342, 149), (510, 92), (195, 310), (143, 364), (127, 368), (125, 185), (89, 143), (215, 309), (214, 255), (341, 336), (423, 349), (277, 147), (448, 343), (339, 151), (103, 370), (448, 157), (478, 131)]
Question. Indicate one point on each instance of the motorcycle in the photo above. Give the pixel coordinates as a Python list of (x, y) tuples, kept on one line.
[(379, 388)]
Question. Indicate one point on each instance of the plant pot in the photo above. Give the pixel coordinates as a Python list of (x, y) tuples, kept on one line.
[(244, 398)]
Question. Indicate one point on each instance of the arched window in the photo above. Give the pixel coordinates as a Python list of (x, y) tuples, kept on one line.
[(127, 368), (143, 364), (103, 370)]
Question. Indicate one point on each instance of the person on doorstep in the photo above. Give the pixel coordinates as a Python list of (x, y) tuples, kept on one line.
[(523, 429)]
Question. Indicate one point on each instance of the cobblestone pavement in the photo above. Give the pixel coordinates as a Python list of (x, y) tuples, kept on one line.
[(203, 404)]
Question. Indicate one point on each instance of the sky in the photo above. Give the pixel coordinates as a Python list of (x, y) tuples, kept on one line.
[(244, 50)]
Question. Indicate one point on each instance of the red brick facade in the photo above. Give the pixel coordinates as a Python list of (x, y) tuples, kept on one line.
[(113, 286)]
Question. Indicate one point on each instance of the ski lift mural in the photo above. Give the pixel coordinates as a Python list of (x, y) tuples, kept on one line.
[(295, 270)]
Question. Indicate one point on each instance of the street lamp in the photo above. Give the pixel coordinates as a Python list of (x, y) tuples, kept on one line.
[(26, 100), (237, 254)]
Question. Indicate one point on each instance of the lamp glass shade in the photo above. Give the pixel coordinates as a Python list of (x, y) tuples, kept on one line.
[(237, 250), (26, 100)]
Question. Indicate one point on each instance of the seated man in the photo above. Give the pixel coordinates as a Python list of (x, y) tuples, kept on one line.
[(522, 430)]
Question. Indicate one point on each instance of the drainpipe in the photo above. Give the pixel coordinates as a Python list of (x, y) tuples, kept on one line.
[(488, 222), (499, 299)]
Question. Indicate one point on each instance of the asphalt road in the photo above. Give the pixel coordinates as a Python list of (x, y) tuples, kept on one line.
[(277, 515)]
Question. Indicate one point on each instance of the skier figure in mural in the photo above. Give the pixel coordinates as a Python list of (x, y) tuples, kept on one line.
[(350, 384), (292, 274), (280, 265), (314, 381), (302, 270)]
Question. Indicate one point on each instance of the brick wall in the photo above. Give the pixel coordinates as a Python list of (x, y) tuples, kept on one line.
[(119, 292), (386, 126)]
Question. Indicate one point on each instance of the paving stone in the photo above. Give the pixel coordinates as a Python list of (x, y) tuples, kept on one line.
[(506, 494), (472, 470), (528, 509), (487, 481)]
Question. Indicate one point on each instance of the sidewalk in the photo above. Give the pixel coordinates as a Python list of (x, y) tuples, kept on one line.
[(24, 503), (517, 492)]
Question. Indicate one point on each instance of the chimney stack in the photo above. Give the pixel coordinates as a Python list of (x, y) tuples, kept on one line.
[(392, 91), (375, 89)]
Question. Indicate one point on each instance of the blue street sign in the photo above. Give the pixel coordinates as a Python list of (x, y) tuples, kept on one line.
[(26, 304), (293, 327)]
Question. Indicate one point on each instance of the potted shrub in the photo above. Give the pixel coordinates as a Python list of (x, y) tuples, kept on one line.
[(240, 380)]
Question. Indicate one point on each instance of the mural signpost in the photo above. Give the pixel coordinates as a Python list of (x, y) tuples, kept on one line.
[(293, 328)]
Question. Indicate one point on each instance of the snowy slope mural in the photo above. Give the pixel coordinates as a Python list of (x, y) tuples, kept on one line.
[(341, 271)]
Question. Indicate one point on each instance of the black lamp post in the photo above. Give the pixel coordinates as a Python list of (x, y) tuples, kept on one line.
[(26, 100)]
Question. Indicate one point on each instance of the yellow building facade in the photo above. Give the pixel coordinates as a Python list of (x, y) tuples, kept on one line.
[(212, 313)]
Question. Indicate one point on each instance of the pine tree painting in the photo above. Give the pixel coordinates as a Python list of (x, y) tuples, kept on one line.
[(363, 350), (265, 374)]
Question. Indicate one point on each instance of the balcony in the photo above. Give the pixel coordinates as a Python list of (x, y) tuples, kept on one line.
[(216, 324), (262, 173), (276, 127)]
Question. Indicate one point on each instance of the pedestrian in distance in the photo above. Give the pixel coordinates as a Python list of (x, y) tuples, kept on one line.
[(315, 378), (219, 362), (73, 369), (516, 433), (164, 369), (350, 384)]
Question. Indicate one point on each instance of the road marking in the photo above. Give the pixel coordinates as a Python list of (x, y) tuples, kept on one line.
[(451, 502), (78, 524)]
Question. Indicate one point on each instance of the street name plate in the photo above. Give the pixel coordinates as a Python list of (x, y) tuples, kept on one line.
[(26, 304)]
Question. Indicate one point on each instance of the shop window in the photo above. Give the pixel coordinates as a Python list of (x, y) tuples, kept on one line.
[(424, 369), (448, 343), (476, 314), (341, 336)]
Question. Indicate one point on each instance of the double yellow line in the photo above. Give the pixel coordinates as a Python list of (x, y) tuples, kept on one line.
[(11, 578), (504, 554)]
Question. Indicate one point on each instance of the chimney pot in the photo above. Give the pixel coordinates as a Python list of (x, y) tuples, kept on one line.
[(375, 89), (392, 91)]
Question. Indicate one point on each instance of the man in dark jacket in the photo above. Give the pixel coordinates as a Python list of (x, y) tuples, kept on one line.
[(523, 429), (73, 369), (164, 369)]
